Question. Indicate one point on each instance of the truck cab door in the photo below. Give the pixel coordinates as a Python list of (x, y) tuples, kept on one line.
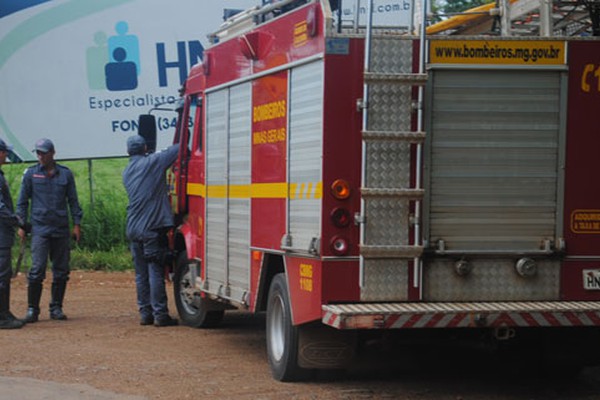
[(186, 127)]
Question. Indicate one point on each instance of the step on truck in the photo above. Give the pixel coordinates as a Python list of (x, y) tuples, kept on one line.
[(352, 182)]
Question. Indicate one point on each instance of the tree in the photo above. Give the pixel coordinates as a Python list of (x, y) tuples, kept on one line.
[(457, 6)]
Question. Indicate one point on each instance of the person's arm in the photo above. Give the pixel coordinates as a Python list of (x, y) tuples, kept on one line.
[(23, 202), (7, 216), (168, 156), (74, 207)]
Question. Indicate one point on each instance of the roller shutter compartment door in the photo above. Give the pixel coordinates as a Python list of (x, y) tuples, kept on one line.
[(493, 159)]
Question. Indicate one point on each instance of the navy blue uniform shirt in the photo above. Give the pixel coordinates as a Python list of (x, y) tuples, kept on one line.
[(144, 181), (49, 199), (8, 219)]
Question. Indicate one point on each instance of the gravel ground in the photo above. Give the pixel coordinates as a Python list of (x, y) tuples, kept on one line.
[(101, 352)]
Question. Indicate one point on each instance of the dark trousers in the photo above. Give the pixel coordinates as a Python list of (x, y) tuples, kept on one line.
[(5, 267), (150, 275), (54, 248)]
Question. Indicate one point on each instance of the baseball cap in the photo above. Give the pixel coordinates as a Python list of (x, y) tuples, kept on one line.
[(135, 145), (44, 145), (4, 146)]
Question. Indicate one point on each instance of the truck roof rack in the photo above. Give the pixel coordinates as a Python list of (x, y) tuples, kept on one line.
[(552, 18), (248, 19)]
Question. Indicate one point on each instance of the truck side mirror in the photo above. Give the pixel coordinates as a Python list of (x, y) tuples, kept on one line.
[(147, 130)]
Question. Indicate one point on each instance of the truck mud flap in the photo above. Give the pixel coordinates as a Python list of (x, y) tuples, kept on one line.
[(321, 347)]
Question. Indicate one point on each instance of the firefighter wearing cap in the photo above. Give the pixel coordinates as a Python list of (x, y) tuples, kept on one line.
[(149, 218), (8, 222), (49, 188)]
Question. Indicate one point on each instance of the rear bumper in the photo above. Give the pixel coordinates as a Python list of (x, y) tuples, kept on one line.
[(461, 315)]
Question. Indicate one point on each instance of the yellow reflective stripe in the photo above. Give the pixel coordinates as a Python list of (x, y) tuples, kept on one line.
[(318, 194), (239, 191), (306, 190), (196, 189), (293, 188), (217, 191), (310, 190), (269, 190)]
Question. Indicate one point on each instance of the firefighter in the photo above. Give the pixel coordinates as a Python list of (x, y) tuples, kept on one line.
[(8, 222), (49, 188), (149, 218)]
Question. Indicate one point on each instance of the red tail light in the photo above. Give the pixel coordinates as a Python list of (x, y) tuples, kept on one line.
[(340, 217)]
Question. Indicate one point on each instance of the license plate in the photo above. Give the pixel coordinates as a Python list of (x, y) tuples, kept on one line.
[(591, 279)]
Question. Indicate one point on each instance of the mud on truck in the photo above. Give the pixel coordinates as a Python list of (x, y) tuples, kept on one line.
[(356, 183)]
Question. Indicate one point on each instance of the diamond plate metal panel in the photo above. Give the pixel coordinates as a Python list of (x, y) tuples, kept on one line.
[(490, 280), (391, 54), (388, 165), (387, 222), (385, 280), (390, 107)]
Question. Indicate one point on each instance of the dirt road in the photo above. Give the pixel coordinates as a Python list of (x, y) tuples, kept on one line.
[(102, 352)]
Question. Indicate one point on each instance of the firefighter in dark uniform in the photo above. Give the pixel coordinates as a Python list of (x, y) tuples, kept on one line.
[(8, 223), (149, 218), (50, 189)]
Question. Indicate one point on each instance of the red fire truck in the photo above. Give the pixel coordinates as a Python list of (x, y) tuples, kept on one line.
[(353, 182)]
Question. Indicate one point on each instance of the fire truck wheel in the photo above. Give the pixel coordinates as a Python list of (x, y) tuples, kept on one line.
[(282, 336), (193, 309)]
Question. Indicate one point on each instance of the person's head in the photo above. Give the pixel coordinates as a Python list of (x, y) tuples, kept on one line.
[(44, 148), (136, 145), (4, 149)]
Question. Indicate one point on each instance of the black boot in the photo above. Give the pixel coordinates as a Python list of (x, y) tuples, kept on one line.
[(8, 313), (34, 293), (58, 294), (7, 320)]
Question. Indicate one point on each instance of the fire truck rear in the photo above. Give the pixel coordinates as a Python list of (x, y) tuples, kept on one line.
[(352, 182)]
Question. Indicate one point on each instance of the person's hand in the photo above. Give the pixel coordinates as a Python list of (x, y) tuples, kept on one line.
[(22, 234), (76, 233)]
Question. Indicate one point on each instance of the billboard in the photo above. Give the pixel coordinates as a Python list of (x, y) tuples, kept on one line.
[(396, 14), (81, 71)]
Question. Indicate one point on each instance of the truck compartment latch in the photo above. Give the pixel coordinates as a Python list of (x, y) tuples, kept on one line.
[(359, 219)]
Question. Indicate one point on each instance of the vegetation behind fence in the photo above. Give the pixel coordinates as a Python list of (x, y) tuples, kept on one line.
[(103, 245)]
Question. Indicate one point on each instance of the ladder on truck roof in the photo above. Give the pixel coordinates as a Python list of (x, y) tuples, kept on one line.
[(390, 196)]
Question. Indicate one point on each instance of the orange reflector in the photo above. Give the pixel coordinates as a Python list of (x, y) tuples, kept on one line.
[(340, 189), (256, 255)]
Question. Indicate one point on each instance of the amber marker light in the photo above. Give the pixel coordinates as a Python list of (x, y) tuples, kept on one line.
[(340, 189)]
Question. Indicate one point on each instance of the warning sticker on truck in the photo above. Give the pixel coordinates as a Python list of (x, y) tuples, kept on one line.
[(591, 279), (585, 221), (306, 277)]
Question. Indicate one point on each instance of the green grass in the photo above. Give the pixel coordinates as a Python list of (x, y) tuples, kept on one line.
[(103, 245)]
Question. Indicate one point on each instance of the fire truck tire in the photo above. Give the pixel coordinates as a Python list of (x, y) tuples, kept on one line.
[(194, 311), (282, 336)]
